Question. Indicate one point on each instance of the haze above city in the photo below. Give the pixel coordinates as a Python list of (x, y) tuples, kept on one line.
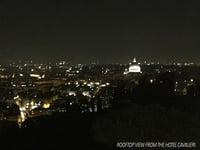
[(83, 31)]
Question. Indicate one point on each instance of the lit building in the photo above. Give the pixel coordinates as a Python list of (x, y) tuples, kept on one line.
[(133, 68)]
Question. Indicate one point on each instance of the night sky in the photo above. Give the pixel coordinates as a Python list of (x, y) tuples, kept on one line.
[(83, 31)]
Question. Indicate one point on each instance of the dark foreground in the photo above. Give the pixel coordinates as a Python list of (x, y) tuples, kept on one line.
[(160, 120)]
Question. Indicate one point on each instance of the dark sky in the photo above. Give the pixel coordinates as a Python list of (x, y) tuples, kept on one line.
[(100, 30)]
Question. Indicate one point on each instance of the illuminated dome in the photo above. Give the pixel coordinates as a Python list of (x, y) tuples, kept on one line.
[(134, 67)]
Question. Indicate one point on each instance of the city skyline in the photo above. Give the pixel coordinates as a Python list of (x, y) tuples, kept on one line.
[(101, 31)]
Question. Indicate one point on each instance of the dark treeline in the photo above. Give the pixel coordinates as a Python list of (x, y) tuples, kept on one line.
[(175, 119)]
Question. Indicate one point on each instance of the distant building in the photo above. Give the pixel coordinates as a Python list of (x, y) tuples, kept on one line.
[(134, 67)]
